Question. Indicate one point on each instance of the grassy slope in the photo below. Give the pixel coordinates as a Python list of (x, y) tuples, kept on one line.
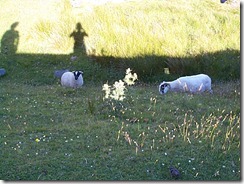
[(81, 137), (170, 29), (195, 37)]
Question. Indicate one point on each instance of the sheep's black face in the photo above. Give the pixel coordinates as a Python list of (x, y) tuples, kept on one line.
[(77, 74), (163, 88)]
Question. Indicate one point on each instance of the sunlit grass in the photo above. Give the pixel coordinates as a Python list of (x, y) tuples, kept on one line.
[(128, 29)]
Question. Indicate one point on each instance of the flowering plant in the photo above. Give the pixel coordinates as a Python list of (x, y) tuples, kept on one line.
[(114, 98), (117, 91)]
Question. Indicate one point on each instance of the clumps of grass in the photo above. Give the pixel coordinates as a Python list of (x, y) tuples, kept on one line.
[(156, 29), (216, 132), (210, 130), (137, 142), (204, 141), (52, 35)]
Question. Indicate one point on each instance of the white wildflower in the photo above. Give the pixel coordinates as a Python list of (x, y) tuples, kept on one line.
[(107, 90), (118, 92), (129, 77), (128, 70)]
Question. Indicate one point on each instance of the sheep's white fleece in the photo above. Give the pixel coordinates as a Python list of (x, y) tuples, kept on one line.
[(68, 80), (192, 84)]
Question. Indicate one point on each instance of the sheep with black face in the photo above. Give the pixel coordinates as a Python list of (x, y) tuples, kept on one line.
[(193, 84), (72, 79)]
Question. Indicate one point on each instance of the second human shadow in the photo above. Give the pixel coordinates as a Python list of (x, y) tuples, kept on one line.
[(78, 35)]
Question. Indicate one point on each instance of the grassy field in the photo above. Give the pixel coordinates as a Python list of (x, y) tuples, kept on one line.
[(53, 133)]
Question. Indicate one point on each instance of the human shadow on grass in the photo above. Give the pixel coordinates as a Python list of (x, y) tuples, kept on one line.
[(220, 65), (10, 40), (78, 35)]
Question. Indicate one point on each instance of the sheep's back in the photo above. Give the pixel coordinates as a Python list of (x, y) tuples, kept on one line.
[(195, 83), (68, 79)]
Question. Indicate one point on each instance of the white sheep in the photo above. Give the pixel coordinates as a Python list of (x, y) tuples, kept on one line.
[(72, 79), (193, 84)]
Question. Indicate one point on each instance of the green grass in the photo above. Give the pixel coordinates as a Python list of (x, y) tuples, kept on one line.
[(53, 133), (82, 138)]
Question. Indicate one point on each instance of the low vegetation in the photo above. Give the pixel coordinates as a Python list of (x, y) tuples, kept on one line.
[(53, 133)]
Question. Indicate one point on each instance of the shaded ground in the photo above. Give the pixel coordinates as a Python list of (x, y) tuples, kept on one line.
[(221, 66)]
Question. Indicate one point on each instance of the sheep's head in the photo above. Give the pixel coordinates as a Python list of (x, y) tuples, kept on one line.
[(77, 74), (164, 87)]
